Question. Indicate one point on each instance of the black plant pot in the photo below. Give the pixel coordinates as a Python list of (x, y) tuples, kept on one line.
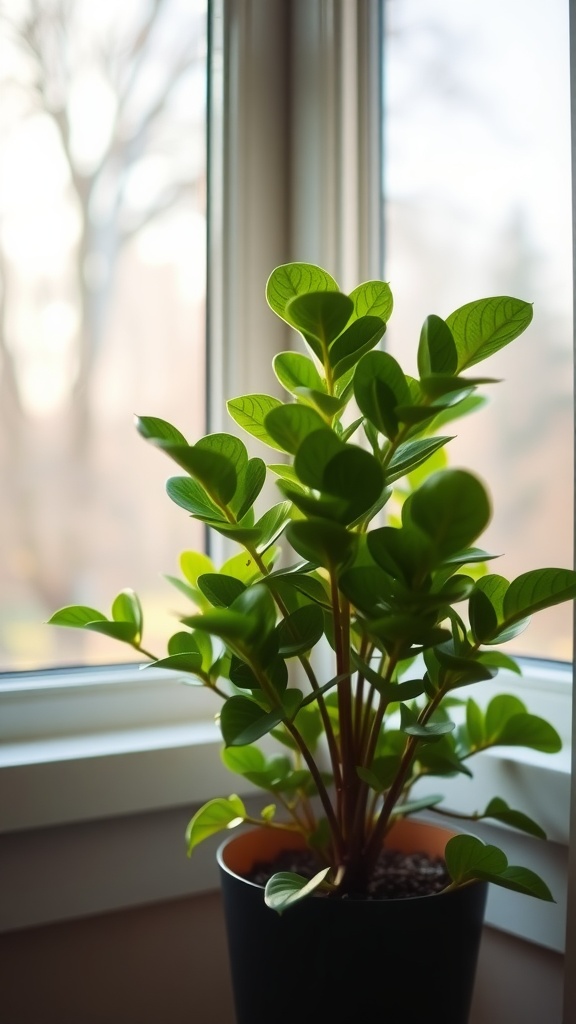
[(405, 961)]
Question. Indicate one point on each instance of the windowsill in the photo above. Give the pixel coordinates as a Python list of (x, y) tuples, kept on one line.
[(70, 779), (94, 821), (127, 793)]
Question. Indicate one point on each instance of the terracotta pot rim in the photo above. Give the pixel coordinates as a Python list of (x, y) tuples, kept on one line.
[(248, 837)]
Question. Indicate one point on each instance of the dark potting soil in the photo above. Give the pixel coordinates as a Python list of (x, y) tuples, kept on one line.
[(397, 875)]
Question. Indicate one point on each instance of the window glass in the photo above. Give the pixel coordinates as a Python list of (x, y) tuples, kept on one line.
[(102, 309), (477, 192)]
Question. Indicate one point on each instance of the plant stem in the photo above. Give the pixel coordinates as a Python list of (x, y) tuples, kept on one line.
[(379, 831), (345, 708), (304, 661)]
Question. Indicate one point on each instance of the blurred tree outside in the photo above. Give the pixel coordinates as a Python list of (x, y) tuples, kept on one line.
[(102, 303), (477, 194)]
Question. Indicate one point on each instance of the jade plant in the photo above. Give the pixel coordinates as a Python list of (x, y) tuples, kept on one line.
[(351, 619)]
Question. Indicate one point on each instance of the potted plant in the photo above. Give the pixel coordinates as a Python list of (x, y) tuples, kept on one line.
[(346, 636)]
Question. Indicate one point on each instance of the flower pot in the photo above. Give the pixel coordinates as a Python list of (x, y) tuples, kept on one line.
[(403, 961)]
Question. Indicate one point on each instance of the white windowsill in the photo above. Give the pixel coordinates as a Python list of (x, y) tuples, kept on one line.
[(94, 821)]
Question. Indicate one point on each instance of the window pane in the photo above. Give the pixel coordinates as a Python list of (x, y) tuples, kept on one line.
[(102, 309), (477, 191)]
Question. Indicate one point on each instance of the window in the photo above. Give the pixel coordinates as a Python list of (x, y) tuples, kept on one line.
[(102, 308), (478, 194), (127, 739)]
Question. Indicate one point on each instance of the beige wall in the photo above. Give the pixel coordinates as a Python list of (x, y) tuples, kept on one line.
[(167, 964)]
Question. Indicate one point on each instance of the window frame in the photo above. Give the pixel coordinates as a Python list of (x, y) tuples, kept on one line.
[(133, 747)]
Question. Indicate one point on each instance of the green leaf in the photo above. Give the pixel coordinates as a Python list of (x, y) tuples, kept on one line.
[(320, 317), (486, 606), (183, 642), (250, 412), (501, 708), (272, 525), (127, 608), (323, 507), (154, 429), (343, 471), (538, 589), (525, 730), (468, 557), (466, 406), (243, 567), (310, 586), (243, 760), (227, 445), (487, 616), (295, 370), (464, 666), (205, 649), (257, 605), (455, 389), (292, 700), (497, 659), (273, 773), (483, 327), (404, 630), (414, 806), (194, 563), (182, 662), (379, 388), (244, 625), (437, 350), (288, 425), (524, 881), (509, 724), (242, 534), (314, 454), (328, 406), (124, 631), (500, 811), (354, 475), (76, 615), (189, 494), (285, 471), (429, 731), (392, 691), (411, 454), (286, 888), (402, 553), (367, 587), (361, 336), (440, 758), (215, 471), (474, 723), (452, 508), (467, 858), (323, 542), (351, 429), (343, 387), (300, 631), (292, 279), (212, 817), (242, 720), (250, 482), (220, 590), (373, 298), (126, 627)]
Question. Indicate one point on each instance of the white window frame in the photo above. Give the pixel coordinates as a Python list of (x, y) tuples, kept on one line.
[(116, 759)]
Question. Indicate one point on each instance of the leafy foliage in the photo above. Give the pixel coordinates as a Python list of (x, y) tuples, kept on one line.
[(383, 584)]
